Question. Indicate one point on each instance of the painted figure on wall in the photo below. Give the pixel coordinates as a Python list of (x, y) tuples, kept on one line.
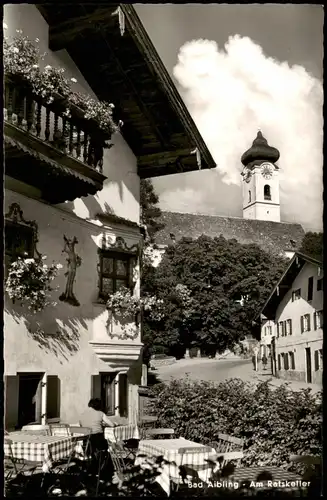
[(73, 262)]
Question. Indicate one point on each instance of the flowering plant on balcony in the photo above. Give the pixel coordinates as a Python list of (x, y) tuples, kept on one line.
[(22, 57), (28, 282), (126, 307)]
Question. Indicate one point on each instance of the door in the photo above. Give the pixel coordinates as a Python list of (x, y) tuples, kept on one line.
[(29, 398), (308, 364)]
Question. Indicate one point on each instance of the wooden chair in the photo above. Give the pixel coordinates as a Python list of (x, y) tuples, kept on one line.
[(229, 448), (37, 428), (60, 430), (190, 470), (15, 466), (159, 433)]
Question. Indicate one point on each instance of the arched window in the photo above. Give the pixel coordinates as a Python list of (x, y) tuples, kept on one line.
[(249, 196), (266, 192)]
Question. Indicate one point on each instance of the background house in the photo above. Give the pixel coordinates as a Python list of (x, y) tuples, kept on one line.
[(61, 204), (294, 311)]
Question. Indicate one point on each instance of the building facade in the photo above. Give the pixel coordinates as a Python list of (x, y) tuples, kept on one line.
[(78, 205), (294, 316)]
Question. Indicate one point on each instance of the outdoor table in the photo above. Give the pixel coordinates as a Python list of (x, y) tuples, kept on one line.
[(40, 448), (279, 477), (121, 433), (172, 451)]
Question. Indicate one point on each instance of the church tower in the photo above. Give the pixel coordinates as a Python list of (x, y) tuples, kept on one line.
[(261, 181)]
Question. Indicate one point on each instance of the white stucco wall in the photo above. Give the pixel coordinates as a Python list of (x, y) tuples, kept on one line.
[(121, 192), (297, 342)]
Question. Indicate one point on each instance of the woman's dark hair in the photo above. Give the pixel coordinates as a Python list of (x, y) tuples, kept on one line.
[(95, 403)]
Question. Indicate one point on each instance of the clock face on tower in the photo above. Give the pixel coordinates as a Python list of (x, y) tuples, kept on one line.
[(267, 170)]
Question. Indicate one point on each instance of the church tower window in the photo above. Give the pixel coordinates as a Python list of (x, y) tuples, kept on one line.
[(267, 192), (249, 196)]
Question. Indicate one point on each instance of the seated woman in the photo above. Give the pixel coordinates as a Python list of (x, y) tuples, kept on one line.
[(95, 419)]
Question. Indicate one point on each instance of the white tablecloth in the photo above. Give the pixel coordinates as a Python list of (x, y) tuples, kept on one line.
[(172, 451)]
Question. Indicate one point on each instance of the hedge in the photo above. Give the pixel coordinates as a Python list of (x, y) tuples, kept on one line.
[(274, 422)]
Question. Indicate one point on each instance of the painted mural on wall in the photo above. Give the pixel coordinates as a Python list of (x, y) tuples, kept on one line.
[(73, 262)]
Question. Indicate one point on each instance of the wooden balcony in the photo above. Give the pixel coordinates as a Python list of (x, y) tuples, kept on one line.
[(59, 155)]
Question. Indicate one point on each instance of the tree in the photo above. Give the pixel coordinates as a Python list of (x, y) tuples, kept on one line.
[(312, 245), (228, 282), (150, 212)]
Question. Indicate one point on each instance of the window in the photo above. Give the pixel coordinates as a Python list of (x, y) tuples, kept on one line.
[(320, 285), (288, 327), (286, 365), (310, 288), (296, 294), (305, 323), (249, 197), (318, 360), (269, 330), (281, 328), (266, 192), (108, 396), (318, 319), (114, 273), (292, 360), (114, 393), (279, 363), (282, 364), (19, 241)]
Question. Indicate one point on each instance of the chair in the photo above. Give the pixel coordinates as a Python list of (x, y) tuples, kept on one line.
[(15, 466), (158, 433), (60, 430), (83, 435), (36, 428), (228, 447)]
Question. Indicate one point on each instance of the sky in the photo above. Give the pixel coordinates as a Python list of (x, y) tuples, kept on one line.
[(241, 68)]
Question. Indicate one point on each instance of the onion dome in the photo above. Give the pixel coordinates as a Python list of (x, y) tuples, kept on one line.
[(260, 150)]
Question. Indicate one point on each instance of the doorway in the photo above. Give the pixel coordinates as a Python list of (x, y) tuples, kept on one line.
[(308, 364), (29, 398)]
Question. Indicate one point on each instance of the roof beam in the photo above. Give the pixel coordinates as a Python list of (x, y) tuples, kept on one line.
[(61, 34), (138, 99), (162, 158)]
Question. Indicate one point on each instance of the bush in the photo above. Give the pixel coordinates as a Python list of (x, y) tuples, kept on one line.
[(274, 423)]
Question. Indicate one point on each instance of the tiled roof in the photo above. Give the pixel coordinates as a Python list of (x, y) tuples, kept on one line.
[(275, 237)]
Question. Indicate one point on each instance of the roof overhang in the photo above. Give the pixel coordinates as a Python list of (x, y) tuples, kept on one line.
[(127, 70)]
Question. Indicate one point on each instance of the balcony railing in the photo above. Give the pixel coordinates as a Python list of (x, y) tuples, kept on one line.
[(47, 128)]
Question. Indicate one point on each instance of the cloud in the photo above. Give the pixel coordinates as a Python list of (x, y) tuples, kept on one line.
[(233, 92)]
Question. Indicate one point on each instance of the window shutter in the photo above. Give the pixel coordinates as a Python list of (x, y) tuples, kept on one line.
[(53, 396), (316, 360), (302, 324), (309, 318), (123, 395), (11, 401), (96, 386)]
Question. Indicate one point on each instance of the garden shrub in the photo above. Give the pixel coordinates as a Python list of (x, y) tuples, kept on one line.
[(274, 422)]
